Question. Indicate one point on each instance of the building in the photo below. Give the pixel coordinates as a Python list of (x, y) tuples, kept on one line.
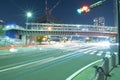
[(100, 21)]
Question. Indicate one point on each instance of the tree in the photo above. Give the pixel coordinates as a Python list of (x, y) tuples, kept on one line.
[(40, 38)]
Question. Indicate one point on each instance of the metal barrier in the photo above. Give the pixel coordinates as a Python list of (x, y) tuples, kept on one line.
[(103, 71), (113, 60), (105, 65), (99, 73)]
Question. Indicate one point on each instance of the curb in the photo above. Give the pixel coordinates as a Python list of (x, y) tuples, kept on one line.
[(80, 70)]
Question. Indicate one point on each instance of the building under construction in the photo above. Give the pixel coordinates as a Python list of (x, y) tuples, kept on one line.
[(48, 18)]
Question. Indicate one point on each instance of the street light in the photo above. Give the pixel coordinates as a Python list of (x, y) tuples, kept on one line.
[(28, 15)]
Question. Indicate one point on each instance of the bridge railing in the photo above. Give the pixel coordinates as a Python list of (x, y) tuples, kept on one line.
[(64, 27), (59, 27)]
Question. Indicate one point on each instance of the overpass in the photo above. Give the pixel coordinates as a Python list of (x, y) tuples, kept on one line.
[(35, 29), (64, 29)]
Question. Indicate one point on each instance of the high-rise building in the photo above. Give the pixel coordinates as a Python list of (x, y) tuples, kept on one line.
[(100, 21)]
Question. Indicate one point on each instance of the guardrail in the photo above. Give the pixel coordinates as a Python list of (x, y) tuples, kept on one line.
[(102, 72), (66, 27)]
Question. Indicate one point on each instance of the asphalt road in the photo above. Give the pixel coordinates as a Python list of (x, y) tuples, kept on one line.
[(49, 63)]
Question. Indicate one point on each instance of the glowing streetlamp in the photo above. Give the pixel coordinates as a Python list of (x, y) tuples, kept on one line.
[(28, 15)]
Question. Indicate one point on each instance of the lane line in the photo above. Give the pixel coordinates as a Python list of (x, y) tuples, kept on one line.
[(43, 61), (92, 52), (100, 53), (19, 66)]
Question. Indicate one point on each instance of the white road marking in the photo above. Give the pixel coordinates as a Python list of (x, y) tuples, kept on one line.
[(43, 61), (19, 66), (87, 51), (116, 53), (93, 52), (108, 54), (100, 53)]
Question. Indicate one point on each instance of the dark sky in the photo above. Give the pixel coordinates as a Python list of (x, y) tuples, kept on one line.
[(13, 11)]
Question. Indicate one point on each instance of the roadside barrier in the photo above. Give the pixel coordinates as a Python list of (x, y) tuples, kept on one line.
[(103, 71)]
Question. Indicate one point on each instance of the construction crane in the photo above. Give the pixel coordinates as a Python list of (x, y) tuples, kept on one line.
[(49, 10)]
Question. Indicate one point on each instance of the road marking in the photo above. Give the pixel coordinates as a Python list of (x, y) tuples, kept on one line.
[(108, 54), (43, 61), (100, 53), (116, 53), (87, 51), (80, 70), (19, 66), (93, 52)]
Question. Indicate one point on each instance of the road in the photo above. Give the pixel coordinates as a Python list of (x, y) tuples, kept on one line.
[(49, 63)]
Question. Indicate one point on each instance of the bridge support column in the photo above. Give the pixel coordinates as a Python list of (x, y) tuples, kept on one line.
[(24, 39), (33, 39), (49, 39), (71, 38)]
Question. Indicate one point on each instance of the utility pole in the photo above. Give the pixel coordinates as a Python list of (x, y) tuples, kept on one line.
[(118, 25), (86, 9)]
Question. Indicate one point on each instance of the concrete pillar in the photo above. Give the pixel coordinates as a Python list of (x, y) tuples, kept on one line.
[(33, 39), (24, 39)]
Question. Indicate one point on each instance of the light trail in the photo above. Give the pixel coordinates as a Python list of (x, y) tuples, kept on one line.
[(49, 59)]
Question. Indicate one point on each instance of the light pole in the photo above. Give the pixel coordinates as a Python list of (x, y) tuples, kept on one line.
[(28, 15)]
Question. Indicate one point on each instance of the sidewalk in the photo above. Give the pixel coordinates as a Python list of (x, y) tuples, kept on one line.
[(89, 73), (115, 74)]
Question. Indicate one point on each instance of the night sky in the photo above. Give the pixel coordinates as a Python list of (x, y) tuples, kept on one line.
[(13, 11)]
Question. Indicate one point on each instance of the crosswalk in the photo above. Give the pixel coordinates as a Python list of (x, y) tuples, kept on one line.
[(92, 50), (86, 49), (99, 53)]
